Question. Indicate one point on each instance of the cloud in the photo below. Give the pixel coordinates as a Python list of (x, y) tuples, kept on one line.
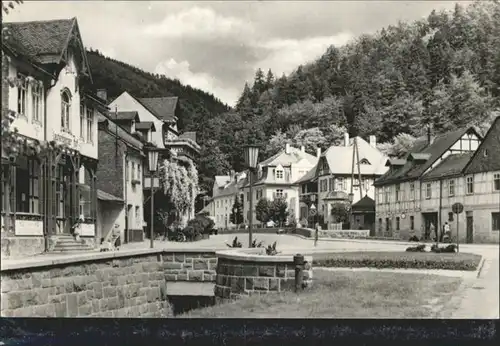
[(285, 55), (204, 81), (199, 23)]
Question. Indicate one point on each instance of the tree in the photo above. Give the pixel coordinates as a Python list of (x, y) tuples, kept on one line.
[(400, 145), (311, 139), (340, 212), (236, 217), (276, 143), (278, 211), (263, 210)]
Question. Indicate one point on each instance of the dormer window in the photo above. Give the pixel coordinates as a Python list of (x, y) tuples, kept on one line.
[(364, 162), (279, 174), (65, 109)]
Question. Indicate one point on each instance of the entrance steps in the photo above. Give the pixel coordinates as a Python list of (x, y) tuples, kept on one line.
[(67, 243)]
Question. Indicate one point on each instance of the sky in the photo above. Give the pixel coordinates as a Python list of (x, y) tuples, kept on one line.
[(218, 45)]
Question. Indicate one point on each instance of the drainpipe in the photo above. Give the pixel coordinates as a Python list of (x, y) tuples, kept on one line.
[(125, 196), (438, 231), (48, 179)]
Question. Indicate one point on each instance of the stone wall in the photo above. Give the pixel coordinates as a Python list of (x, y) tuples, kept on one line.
[(110, 284), (247, 272)]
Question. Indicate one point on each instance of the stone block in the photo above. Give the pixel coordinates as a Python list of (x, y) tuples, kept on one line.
[(168, 258), (23, 312), (42, 296), (47, 283), (114, 280), (267, 270), (172, 265), (287, 284), (95, 306), (237, 270), (274, 284), (170, 277), (72, 305), (36, 280), (144, 279), (195, 276), (200, 264), (55, 273), (249, 270), (60, 309), (14, 300), (261, 284), (182, 277), (25, 284), (281, 270), (121, 297), (97, 288), (56, 299), (290, 273), (179, 257), (141, 300), (237, 284), (226, 291), (113, 303), (85, 310), (248, 283), (109, 292), (188, 264), (208, 255), (102, 275), (218, 280), (159, 276), (207, 277), (8, 285)]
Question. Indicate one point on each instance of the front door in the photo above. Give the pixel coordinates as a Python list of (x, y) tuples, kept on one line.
[(470, 229)]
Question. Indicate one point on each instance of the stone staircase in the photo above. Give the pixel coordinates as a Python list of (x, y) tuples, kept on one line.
[(67, 243)]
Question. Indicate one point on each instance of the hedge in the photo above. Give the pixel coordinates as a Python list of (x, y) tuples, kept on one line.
[(407, 260)]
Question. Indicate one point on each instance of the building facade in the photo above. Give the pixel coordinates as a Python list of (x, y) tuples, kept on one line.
[(330, 181), (223, 197), (45, 190), (120, 173), (276, 178), (419, 188)]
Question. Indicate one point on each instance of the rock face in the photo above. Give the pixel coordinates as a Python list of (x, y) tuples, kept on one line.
[(126, 286), (237, 277)]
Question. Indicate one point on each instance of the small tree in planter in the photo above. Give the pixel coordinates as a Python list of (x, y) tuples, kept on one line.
[(263, 210), (278, 211), (236, 217), (340, 212)]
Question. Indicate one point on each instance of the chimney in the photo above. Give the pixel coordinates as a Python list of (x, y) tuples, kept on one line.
[(302, 148), (102, 94), (373, 141), (287, 148), (318, 152), (429, 135), (346, 139)]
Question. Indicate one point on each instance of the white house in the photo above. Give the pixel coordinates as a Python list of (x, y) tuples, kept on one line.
[(44, 192)]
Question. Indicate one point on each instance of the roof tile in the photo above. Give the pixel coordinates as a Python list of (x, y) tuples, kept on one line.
[(161, 107)]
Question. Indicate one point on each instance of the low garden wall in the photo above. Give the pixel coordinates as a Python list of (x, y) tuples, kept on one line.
[(344, 234), (243, 272), (255, 230)]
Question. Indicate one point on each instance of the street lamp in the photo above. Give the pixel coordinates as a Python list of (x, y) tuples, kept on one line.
[(251, 154), (153, 165)]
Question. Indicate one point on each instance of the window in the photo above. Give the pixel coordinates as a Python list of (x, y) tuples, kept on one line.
[(428, 191), (387, 224), (304, 188), (279, 193), (331, 184), (386, 194), (412, 191), (90, 125), (496, 182), (451, 188), (37, 101), (22, 96), (495, 221), (82, 121), (398, 192), (27, 186), (412, 223), (470, 185), (364, 162), (65, 109), (380, 195), (133, 171), (279, 174), (126, 170), (340, 184), (397, 223), (86, 202), (380, 225), (137, 214), (60, 183)]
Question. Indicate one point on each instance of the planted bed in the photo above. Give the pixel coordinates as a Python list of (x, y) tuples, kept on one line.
[(406, 260)]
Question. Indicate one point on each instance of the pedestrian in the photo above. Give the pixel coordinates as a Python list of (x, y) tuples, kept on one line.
[(432, 231), (316, 234), (446, 232)]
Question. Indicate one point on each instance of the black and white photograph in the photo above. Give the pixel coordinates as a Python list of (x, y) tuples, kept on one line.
[(250, 160)]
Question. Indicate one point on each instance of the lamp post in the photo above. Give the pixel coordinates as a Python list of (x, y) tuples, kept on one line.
[(251, 154), (153, 165)]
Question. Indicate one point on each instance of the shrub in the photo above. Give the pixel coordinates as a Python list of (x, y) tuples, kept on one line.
[(202, 224), (255, 244), (190, 233), (175, 233), (414, 260), (235, 243), (418, 248), (452, 248), (271, 250), (414, 238)]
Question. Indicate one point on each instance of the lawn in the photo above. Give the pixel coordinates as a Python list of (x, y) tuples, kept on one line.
[(346, 295), (413, 260)]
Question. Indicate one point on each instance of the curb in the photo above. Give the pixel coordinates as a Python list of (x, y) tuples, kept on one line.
[(480, 267)]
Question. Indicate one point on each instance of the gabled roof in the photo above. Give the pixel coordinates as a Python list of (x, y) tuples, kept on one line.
[(161, 107), (364, 204), (233, 186), (452, 165), (487, 156), (339, 158), (414, 169), (145, 125), (283, 158), (44, 42), (310, 176), (125, 116)]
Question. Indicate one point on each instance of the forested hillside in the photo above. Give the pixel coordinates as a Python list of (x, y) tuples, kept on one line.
[(116, 76), (443, 70)]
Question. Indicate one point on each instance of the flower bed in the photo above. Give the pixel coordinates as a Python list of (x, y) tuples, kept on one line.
[(407, 260)]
